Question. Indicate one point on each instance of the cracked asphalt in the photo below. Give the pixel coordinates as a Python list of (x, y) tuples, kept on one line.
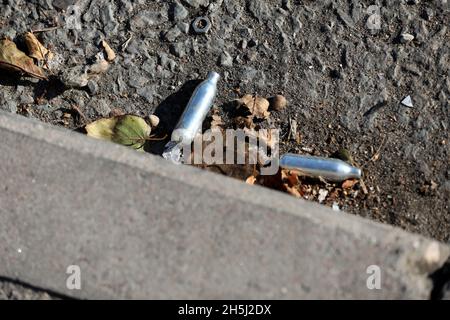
[(344, 66)]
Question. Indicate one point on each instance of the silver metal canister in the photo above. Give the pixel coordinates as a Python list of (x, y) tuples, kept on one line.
[(327, 168), (201, 101), (191, 121)]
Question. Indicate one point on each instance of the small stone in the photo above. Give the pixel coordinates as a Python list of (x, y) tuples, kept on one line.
[(75, 77), (178, 12), (177, 49), (407, 102), (286, 5), (63, 4), (278, 102), (406, 37), (93, 87), (154, 121), (107, 16), (26, 98), (138, 82), (145, 19), (12, 106), (172, 34), (197, 3), (102, 107), (147, 92), (226, 60), (183, 26)]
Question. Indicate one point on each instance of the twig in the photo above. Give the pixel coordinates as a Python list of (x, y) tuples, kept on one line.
[(125, 44), (152, 138), (77, 109), (45, 29), (376, 153)]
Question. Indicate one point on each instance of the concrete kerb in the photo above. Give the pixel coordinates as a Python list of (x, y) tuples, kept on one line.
[(140, 227)]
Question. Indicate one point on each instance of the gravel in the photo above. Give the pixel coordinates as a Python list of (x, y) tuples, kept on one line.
[(344, 80)]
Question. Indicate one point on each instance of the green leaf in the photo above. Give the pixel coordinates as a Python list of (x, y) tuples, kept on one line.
[(128, 130)]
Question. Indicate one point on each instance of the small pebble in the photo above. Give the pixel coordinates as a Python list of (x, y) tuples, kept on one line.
[(93, 87), (154, 121), (179, 12), (226, 60), (406, 37), (278, 102)]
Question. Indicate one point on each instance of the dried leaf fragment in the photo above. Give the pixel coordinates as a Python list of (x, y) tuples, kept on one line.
[(290, 177), (349, 184), (216, 122), (127, 130), (110, 54), (243, 122), (35, 48), (257, 106), (293, 191), (251, 180), (11, 58)]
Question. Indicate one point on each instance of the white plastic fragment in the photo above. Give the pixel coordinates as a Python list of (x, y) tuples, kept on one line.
[(407, 102), (406, 37), (336, 207), (322, 195)]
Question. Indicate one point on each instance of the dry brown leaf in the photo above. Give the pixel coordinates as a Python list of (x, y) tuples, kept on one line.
[(293, 191), (238, 171), (286, 181), (110, 54), (35, 48), (216, 119), (243, 122), (11, 58), (251, 180), (348, 184), (290, 177), (273, 181), (291, 183), (257, 106), (216, 122)]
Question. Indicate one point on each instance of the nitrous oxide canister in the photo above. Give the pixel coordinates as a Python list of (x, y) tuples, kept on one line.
[(201, 101), (327, 168), (191, 121)]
